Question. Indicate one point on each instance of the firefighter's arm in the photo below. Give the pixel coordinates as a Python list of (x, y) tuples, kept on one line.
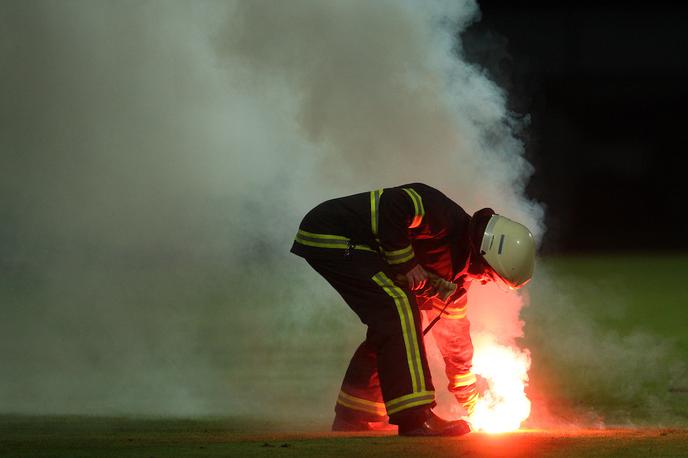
[(401, 209), (452, 334)]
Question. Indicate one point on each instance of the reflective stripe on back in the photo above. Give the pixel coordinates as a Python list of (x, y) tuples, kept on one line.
[(374, 211), (419, 210)]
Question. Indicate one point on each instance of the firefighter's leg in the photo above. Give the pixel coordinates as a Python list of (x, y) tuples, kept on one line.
[(360, 398), (452, 334), (395, 332)]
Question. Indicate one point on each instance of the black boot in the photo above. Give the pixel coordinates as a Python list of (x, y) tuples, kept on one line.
[(434, 426), (343, 423)]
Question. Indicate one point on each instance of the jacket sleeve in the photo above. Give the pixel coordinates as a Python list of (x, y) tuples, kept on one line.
[(453, 337), (400, 209)]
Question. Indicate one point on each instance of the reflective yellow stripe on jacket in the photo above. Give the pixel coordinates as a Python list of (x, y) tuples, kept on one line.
[(375, 212), (327, 241), (405, 254), (419, 210)]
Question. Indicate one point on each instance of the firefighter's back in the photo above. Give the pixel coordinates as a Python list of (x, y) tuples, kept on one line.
[(336, 223)]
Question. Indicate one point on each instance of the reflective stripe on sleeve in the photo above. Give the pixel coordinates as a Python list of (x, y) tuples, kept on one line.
[(399, 256), (419, 210), (408, 328)]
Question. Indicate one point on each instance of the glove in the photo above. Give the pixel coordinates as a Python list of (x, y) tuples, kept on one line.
[(417, 278), (443, 290)]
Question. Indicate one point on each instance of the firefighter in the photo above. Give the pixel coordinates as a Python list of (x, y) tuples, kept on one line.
[(389, 253)]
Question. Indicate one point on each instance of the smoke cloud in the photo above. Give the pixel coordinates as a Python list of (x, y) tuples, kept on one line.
[(588, 372), (157, 159)]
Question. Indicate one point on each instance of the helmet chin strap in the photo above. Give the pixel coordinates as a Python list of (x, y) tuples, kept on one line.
[(476, 228)]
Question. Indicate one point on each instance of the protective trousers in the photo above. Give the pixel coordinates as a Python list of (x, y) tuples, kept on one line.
[(388, 374)]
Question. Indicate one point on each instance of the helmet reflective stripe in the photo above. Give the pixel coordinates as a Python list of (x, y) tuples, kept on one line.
[(509, 249)]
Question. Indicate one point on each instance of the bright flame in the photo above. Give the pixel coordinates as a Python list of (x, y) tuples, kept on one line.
[(504, 405), (495, 326)]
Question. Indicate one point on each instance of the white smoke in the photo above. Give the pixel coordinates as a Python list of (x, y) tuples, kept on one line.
[(156, 161), (589, 372)]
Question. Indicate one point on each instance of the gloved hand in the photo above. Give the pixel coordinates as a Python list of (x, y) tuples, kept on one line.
[(443, 290), (417, 278)]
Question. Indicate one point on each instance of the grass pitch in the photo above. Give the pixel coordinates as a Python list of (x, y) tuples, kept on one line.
[(107, 437), (634, 314)]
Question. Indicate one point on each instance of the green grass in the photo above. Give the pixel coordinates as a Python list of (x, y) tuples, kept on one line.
[(631, 293), (117, 437), (609, 336), (609, 346)]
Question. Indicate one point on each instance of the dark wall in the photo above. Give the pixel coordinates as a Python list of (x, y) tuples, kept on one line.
[(605, 85)]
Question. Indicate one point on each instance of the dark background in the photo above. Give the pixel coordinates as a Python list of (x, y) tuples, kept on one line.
[(604, 87)]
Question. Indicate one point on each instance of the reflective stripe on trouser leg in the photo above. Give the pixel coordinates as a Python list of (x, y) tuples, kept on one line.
[(360, 396), (410, 400), (364, 406), (460, 380), (412, 345)]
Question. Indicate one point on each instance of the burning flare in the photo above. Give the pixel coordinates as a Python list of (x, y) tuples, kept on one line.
[(503, 406)]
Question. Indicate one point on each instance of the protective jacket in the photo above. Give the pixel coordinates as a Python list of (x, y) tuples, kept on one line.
[(406, 225), (402, 226)]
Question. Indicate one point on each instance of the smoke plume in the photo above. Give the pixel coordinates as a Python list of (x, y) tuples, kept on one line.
[(588, 369), (156, 160)]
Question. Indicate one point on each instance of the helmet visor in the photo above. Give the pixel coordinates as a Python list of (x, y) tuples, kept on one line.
[(490, 275)]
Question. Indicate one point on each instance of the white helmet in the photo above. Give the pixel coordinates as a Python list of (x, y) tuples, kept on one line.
[(509, 249)]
